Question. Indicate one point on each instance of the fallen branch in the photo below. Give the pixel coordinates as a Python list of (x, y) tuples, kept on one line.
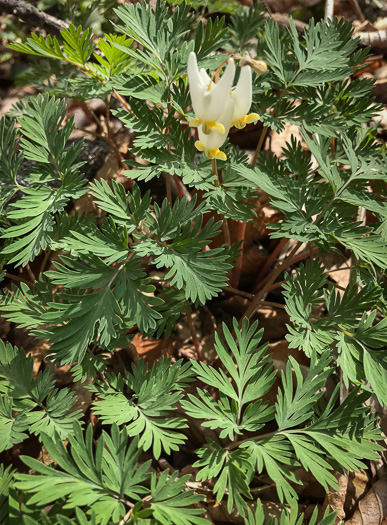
[(374, 38), (29, 13)]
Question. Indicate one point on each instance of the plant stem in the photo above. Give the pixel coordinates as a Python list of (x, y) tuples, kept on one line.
[(127, 516), (226, 231), (30, 273), (195, 340), (19, 279), (180, 188), (297, 258), (168, 188), (45, 260), (258, 296), (259, 145), (236, 272), (270, 260)]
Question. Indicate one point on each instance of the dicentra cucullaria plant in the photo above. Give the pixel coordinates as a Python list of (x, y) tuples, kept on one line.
[(330, 193)]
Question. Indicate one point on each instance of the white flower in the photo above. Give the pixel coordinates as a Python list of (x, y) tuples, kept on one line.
[(211, 142), (209, 99), (242, 97)]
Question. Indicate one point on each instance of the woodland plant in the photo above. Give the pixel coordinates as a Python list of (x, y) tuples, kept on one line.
[(330, 195)]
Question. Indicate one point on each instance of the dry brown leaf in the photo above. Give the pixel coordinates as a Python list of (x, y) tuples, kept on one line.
[(152, 349), (336, 499), (358, 485), (372, 508)]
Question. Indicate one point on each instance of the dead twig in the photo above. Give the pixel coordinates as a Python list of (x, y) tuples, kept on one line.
[(358, 11), (29, 13), (373, 38), (329, 9)]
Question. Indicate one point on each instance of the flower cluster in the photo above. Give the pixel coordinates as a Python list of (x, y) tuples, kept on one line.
[(218, 106)]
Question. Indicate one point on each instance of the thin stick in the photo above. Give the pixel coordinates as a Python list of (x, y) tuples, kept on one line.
[(29, 13), (259, 145), (297, 258), (107, 116), (359, 13), (258, 297), (118, 97), (250, 297), (198, 348), (270, 260), (30, 273), (46, 257), (19, 279), (236, 272), (329, 9)]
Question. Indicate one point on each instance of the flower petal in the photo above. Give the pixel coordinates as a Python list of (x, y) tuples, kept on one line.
[(242, 94), (214, 99)]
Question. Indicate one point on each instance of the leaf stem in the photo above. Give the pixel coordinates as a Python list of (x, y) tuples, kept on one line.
[(259, 295), (168, 187), (236, 272), (259, 145), (195, 340), (45, 260), (226, 231), (19, 279), (270, 260)]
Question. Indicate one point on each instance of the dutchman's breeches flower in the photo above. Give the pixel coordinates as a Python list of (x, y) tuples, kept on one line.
[(242, 97), (211, 142), (217, 107), (208, 99)]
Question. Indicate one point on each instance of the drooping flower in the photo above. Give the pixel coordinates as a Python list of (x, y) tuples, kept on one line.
[(211, 142), (209, 99), (259, 66), (242, 97)]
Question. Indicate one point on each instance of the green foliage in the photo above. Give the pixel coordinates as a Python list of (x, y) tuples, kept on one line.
[(313, 203), (141, 261), (52, 184), (235, 411), (288, 516), (306, 435), (31, 405), (245, 25), (153, 395), (169, 502), (106, 479), (10, 160), (360, 343)]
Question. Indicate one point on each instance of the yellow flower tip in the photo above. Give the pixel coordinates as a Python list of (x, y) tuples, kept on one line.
[(216, 154), (199, 145), (194, 122), (211, 125), (239, 123), (247, 119), (253, 117), (219, 128)]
